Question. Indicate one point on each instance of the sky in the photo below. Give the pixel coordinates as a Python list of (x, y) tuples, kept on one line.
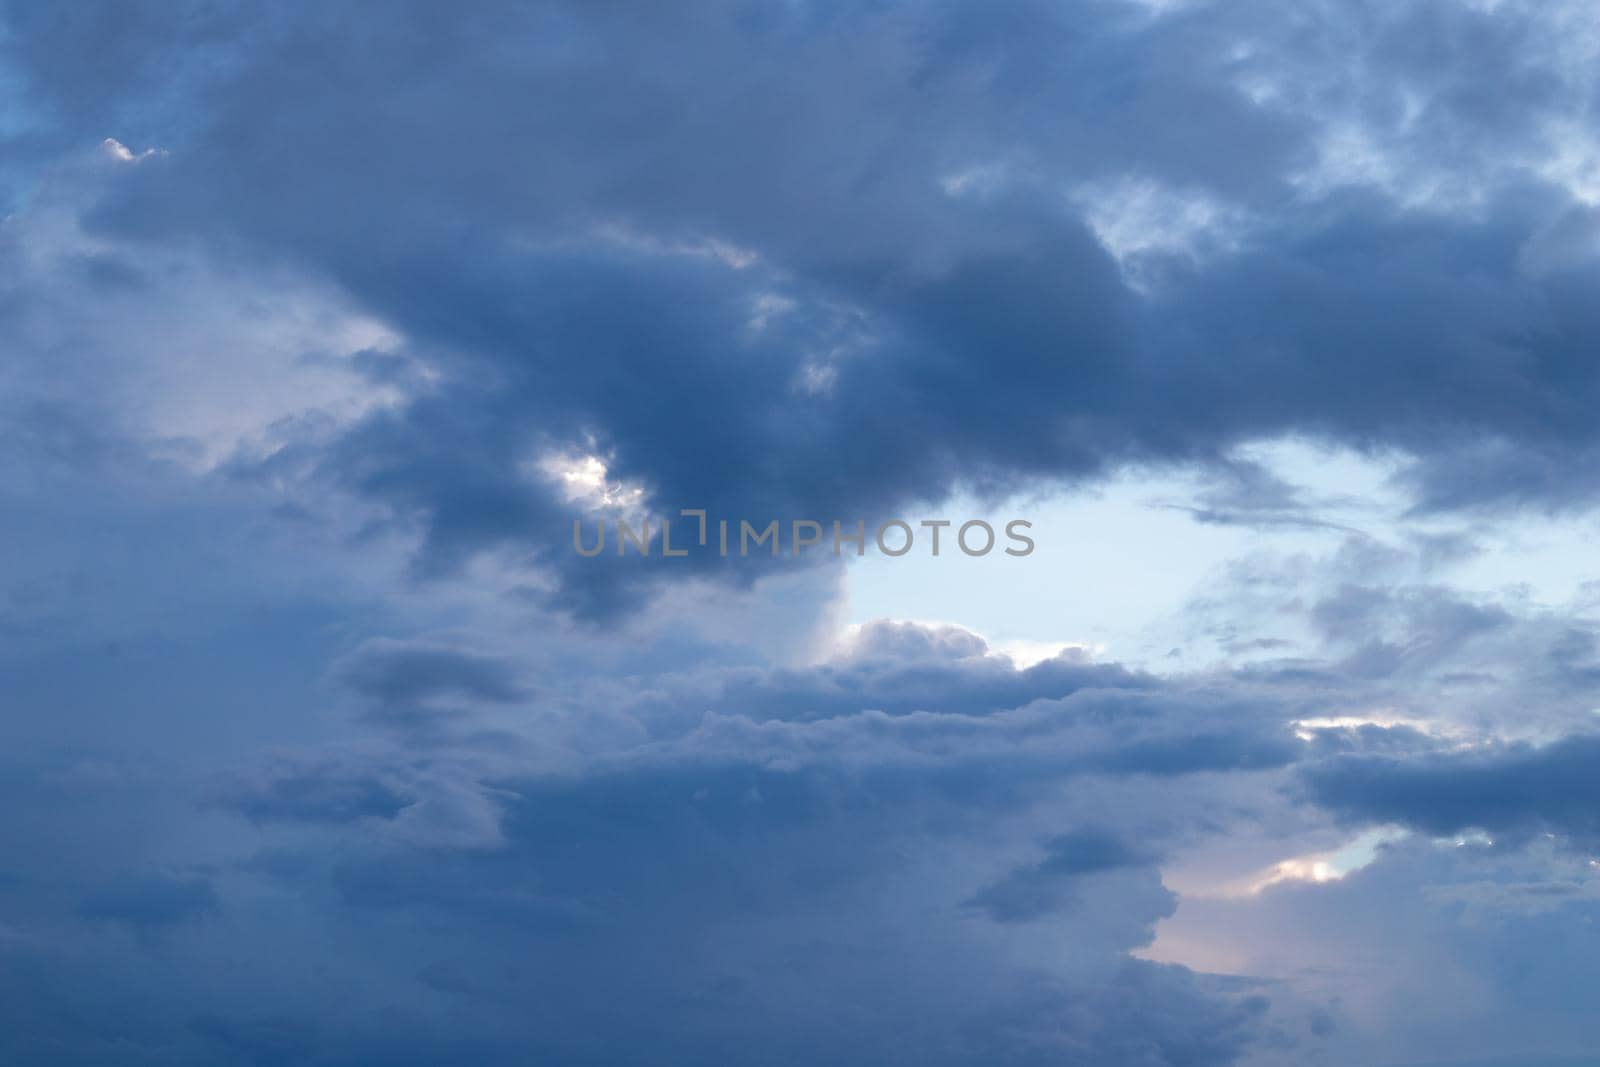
[(323, 324)]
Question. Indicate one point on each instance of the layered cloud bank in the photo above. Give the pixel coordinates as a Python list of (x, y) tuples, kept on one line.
[(322, 323)]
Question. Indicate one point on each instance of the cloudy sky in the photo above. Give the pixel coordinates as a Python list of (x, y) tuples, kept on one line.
[(321, 324)]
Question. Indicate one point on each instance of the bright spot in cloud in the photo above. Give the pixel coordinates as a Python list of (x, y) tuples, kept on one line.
[(1132, 217), (1320, 867), (122, 153), (583, 479)]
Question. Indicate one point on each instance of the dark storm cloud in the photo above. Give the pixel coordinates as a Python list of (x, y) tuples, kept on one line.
[(574, 211), (410, 672), (807, 260), (779, 885), (722, 902), (1515, 789), (681, 903), (1038, 889)]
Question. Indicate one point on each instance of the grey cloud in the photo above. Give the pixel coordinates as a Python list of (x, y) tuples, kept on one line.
[(897, 668), (1515, 788), (1039, 889), (317, 792), (152, 902), (406, 672)]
